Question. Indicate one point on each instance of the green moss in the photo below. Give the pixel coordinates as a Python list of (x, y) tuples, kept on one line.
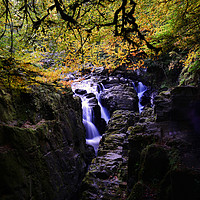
[(138, 128), (24, 166), (154, 163), (137, 193), (6, 108)]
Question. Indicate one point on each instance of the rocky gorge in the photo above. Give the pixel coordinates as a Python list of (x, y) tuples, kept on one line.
[(149, 155), (45, 152)]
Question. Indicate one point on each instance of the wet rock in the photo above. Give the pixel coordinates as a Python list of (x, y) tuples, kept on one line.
[(123, 80), (80, 91), (92, 100), (120, 97), (111, 82), (100, 87), (90, 95), (96, 113), (90, 154), (108, 171), (146, 98)]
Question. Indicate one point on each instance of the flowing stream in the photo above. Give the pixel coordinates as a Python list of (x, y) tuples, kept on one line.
[(89, 87), (93, 136), (140, 89)]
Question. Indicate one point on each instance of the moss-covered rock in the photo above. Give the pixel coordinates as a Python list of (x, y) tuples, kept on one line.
[(42, 145), (23, 167), (6, 109), (137, 128), (121, 120), (107, 175), (137, 143), (154, 163), (137, 192)]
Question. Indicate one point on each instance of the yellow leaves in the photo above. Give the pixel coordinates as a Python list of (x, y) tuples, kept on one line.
[(66, 84), (172, 23), (192, 56)]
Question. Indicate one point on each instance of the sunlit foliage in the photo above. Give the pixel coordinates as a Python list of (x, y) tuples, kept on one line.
[(54, 37)]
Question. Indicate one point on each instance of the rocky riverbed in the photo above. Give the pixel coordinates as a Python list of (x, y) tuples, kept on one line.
[(152, 155)]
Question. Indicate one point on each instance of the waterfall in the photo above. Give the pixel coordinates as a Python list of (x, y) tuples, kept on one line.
[(92, 134), (104, 112), (140, 89), (91, 130)]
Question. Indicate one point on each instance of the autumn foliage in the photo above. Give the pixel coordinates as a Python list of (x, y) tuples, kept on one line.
[(42, 41)]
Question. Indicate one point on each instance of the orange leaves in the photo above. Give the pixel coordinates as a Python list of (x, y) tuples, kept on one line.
[(66, 83), (136, 65)]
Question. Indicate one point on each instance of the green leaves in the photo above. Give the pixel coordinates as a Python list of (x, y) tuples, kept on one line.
[(72, 34)]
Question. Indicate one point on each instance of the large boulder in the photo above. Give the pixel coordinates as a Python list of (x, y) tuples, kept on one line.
[(121, 97), (177, 104), (163, 106)]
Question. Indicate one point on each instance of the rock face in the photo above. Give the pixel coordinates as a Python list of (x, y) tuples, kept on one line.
[(107, 174), (121, 97), (163, 156), (42, 145), (177, 104), (154, 155)]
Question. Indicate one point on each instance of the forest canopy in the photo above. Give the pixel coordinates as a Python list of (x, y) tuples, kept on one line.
[(41, 41)]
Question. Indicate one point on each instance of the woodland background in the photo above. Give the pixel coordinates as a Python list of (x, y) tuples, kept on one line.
[(42, 41)]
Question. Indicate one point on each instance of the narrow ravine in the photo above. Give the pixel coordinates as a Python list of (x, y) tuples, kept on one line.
[(89, 92)]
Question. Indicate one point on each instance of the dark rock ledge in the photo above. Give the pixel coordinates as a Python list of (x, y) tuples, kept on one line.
[(154, 156), (107, 174)]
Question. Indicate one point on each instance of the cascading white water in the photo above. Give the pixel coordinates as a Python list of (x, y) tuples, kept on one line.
[(91, 130), (92, 134), (104, 112), (140, 89)]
